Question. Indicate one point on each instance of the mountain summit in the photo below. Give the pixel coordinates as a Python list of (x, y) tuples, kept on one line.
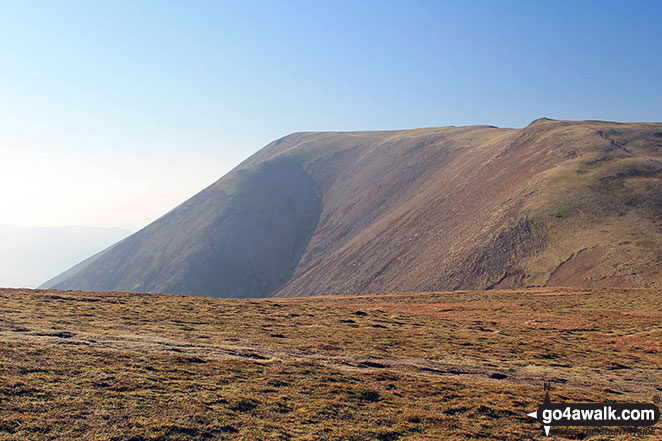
[(557, 203)]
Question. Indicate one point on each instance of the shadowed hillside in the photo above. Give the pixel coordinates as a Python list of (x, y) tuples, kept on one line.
[(557, 203)]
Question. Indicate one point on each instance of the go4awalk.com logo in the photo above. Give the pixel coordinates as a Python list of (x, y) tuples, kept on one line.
[(633, 415)]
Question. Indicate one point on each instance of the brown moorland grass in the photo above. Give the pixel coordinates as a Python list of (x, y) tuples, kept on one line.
[(415, 366)]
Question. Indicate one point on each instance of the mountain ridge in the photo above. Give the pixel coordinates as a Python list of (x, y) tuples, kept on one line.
[(470, 207)]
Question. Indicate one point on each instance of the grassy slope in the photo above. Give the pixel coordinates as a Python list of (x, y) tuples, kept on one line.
[(462, 365), (480, 207), (556, 203), (606, 201)]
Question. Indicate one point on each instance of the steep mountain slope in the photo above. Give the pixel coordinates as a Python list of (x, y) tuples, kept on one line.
[(556, 203)]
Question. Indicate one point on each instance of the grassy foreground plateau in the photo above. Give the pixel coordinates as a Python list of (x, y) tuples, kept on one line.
[(411, 366)]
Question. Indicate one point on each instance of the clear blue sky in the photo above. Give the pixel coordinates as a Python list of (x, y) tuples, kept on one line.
[(112, 112)]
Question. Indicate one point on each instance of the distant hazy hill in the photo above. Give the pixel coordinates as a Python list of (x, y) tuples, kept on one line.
[(556, 203), (30, 256)]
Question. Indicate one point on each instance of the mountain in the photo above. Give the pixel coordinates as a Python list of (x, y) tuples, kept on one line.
[(31, 255), (557, 203)]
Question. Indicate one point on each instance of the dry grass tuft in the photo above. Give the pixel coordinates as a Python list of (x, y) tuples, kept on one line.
[(418, 366)]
